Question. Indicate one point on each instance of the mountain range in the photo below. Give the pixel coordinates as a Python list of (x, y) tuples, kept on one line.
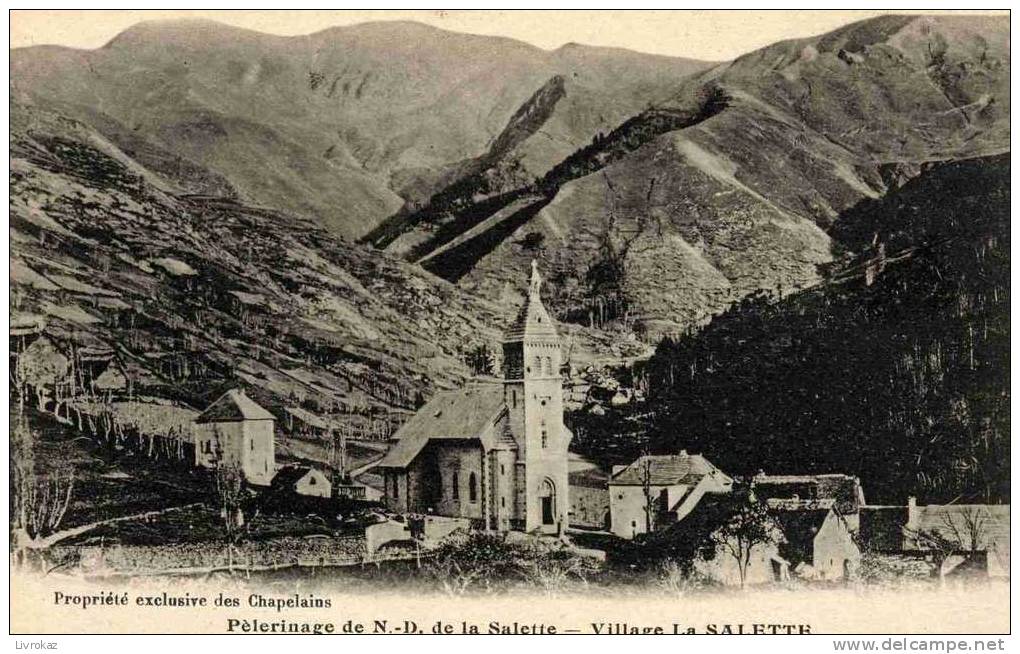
[(343, 221), (344, 125)]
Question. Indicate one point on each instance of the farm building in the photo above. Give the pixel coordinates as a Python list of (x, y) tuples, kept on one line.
[(657, 490), (235, 430)]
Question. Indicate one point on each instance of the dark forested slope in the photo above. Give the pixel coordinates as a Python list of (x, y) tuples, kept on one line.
[(895, 369)]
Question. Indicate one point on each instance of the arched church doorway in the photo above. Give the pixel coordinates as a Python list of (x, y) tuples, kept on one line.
[(547, 497)]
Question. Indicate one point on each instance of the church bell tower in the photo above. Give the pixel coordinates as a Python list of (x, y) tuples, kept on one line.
[(533, 389)]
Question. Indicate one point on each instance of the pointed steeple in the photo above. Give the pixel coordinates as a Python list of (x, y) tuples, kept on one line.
[(534, 320)]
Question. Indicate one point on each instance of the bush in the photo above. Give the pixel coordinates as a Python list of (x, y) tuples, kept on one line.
[(489, 562)]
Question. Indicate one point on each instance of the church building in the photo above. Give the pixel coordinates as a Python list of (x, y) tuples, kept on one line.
[(494, 452)]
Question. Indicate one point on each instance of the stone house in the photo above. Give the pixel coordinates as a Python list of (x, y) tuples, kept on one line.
[(700, 538), (844, 492), (496, 451), (659, 490), (235, 430), (303, 480), (974, 533), (817, 541), (589, 495)]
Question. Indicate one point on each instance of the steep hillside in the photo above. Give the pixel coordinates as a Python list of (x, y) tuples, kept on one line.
[(343, 125), (895, 369), (736, 182), (187, 296)]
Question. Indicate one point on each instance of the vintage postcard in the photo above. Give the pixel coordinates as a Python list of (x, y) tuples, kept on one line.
[(509, 322)]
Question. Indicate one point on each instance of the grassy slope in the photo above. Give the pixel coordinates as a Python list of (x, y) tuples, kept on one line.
[(343, 124), (743, 198), (275, 303)]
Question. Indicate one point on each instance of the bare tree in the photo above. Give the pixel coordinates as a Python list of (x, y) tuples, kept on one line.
[(38, 501), (42, 367), (651, 500), (230, 495), (968, 528), (964, 531), (748, 526), (937, 545)]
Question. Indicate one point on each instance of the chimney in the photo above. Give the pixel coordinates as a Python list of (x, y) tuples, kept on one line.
[(913, 515)]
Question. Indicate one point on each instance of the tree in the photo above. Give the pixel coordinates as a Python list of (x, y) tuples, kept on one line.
[(38, 501), (937, 545), (967, 528), (748, 525), (651, 500), (231, 495), (42, 366), (963, 531)]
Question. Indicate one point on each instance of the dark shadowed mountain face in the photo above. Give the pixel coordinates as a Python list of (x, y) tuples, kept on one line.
[(895, 369), (344, 125), (734, 184)]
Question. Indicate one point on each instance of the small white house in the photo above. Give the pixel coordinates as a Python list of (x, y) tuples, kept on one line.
[(235, 430), (817, 540), (659, 490), (303, 480)]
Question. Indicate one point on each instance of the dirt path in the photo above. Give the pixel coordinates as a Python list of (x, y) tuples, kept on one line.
[(53, 539)]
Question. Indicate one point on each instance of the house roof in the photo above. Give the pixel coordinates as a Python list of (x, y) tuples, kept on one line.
[(589, 478), (290, 475), (111, 379), (799, 527), (991, 522), (694, 531), (844, 489), (664, 470), (889, 528), (233, 406), (459, 414)]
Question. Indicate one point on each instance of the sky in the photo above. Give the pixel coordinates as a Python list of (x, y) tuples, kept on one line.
[(698, 34)]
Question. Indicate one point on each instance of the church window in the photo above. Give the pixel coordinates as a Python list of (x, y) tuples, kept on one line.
[(548, 365), (513, 394), (396, 487), (502, 502), (456, 486), (502, 469), (538, 365), (545, 439), (473, 488)]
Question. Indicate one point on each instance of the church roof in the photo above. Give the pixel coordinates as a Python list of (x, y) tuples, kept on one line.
[(459, 414), (664, 470), (533, 320), (233, 406)]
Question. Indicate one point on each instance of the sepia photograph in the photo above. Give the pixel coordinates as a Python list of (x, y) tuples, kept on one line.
[(510, 322)]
